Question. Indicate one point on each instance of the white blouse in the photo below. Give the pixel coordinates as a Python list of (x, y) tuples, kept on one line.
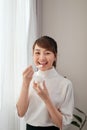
[(61, 93)]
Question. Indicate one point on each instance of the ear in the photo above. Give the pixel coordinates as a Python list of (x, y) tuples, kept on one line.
[(55, 58)]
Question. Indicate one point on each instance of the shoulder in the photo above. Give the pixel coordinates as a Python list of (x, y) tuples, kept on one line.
[(66, 86), (63, 81), (67, 81)]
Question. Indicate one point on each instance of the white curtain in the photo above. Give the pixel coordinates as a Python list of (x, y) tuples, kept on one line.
[(18, 30), (7, 110)]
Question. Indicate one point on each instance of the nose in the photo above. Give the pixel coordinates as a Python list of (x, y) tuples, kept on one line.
[(42, 57)]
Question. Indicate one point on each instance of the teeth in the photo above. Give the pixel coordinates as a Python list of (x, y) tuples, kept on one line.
[(39, 66)]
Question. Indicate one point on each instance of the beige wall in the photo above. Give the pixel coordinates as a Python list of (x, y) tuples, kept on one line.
[(66, 21)]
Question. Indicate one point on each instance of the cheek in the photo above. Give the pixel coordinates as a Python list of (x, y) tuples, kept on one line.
[(51, 59), (35, 58)]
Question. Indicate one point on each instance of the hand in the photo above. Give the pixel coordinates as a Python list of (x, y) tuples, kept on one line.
[(42, 92), (27, 75)]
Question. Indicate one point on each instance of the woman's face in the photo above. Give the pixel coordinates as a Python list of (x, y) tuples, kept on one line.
[(43, 57)]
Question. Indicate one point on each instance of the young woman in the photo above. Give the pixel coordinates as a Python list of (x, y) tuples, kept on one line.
[(46, 100)]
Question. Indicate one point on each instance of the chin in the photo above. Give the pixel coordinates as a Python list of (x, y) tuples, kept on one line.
[(45, 68), (42, 69)]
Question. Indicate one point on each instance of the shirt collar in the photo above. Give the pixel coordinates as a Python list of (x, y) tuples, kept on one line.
[(48, 73)]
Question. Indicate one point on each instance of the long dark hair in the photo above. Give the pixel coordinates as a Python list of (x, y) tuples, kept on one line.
[(48, 43)]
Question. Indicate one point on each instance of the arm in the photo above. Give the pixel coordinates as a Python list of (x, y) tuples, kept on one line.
[(23, 101), (55, 114)]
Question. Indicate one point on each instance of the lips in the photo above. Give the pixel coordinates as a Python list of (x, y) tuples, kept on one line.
[(43, 63)]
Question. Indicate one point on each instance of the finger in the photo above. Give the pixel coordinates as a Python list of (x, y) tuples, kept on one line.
[(29, 73), (40, 88), (27, 69), (36, 86), (44, 85)]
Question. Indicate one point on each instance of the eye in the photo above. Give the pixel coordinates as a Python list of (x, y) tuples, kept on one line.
[(37, 53), (47, 53)]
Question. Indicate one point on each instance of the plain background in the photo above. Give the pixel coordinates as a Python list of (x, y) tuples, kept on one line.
[(66, 21)]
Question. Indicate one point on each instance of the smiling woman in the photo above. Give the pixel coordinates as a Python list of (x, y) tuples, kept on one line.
[(43, 103)]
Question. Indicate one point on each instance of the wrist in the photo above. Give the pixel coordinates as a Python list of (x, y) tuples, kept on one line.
[(47, 100), (25, 85)]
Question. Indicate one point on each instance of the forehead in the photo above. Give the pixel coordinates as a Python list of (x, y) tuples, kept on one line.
[(38, 48)]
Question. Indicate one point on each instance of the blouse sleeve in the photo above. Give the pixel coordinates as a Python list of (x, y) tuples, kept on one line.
[(67, 106)]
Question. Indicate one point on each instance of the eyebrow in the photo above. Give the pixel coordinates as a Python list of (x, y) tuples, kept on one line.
[(36, 49), (39, 50)]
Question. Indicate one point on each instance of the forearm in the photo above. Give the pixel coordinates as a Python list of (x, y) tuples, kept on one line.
[(23, 100), (55, 114)]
